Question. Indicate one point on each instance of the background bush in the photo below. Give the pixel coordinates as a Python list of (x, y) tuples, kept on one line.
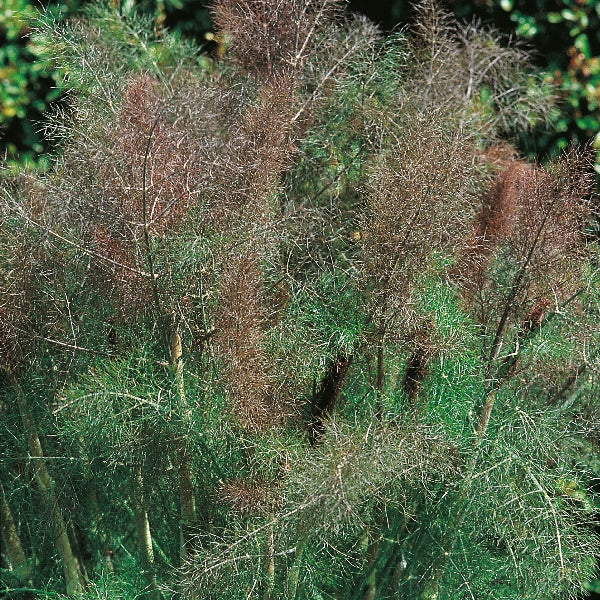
[(27, 83)]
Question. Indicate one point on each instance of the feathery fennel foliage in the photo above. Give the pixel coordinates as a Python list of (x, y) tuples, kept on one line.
[(298, 322)]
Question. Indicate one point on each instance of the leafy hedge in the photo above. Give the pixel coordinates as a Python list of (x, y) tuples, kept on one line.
[(27, 83), (566, 36)]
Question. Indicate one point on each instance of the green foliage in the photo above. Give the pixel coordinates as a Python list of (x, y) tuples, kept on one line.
[(296, 322), (566, 38), (28, 84), (33, 84)]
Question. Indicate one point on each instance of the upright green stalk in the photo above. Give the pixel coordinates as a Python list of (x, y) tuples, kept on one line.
[(380, 378), (187, 495), (269, 564), (12, 542), (293, 575), (144, 537), (73, 577), (374, 536)]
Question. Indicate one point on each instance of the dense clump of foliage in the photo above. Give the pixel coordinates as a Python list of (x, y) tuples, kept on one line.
[(565, 36), (30, 82), (298, 322), (27, 84)]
